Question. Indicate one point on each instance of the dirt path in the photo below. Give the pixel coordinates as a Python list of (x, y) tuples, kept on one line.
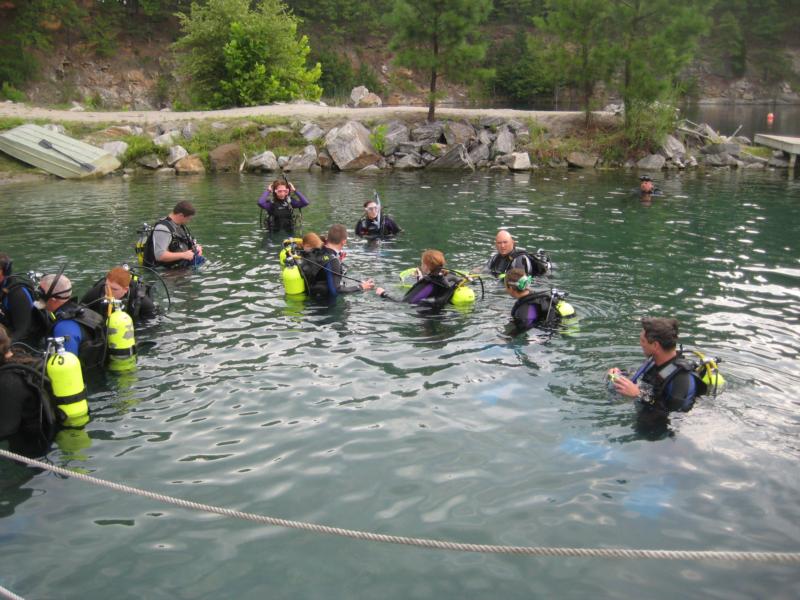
[(553, 120)]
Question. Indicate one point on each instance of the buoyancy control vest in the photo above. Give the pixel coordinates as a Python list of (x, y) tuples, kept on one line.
[(282, 216), (15, 284), (92, 351), (545, 308), (180, 242), (41, 419), (705, 378), (434, 290)]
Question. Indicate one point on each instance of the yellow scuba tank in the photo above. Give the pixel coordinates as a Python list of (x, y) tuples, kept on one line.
[(121, 339), (709, 372), (141, 242), (565, 309), (66, 379), (463, 295), (292, 278)]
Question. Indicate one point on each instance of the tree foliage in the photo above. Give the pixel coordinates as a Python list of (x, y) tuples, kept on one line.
[(583, 52), (440, 37), (233, 55)]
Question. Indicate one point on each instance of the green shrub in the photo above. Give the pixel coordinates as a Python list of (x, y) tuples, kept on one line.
[(9, 92), (139, 146), (378, 138)]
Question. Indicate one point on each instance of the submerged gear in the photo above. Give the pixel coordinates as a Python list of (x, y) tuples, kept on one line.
[(519, 258)]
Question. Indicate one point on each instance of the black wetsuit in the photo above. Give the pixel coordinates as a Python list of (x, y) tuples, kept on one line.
[(25, 322), (27, 419), (323, 272), (518, 258), (433, 291), (382, 226), (136, 302), (534, 309)]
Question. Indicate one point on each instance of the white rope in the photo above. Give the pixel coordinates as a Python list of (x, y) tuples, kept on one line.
[(9, 594), (781, 557)]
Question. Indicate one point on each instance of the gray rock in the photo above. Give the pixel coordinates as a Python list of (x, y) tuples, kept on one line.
[(369, 101), (408, 162), (351, 148), (456, 158), (190, 165), (324, 160), (166, 139), (189, 130), (115, 149), (458, 133), (516, 161), (396, 133), (672, 148), (165, 171), (778, 163), (501, 168), (55, 128), (691, 161), (557, 163), (480, 152), (217, 126), (409, 147), (175, 154), (717, 160), (76, 107), (518, 127), (167, 126), (755, 165), (150, 161), (748, 158), (492, 122), (428, 133), (312, 131), (486, 137), (653, 162), (265, 161), (283, 161), (356, 94), (724, 148), (304, 161), (582, 160), (435, 149), (743, 140), (504, 143), (370, 169), (225, 158)]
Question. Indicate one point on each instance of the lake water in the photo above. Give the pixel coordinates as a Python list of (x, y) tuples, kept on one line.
[(367, 415)]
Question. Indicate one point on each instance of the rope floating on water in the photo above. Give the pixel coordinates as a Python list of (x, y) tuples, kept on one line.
[(780, 557), (9, 594)]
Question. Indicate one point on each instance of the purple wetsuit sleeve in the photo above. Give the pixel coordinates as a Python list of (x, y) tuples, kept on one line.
[(264, 201), (299, 201)]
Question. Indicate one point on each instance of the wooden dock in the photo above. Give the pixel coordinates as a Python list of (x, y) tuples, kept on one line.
[(790, 145)]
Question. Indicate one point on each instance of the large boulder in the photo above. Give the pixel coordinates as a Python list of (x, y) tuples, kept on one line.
[(225, 158), (175, 154), (480, 152), (730, 148), (516, 161), (504, 143), (190, 165), (458, 133), (265, 161), (652, 162), (672, 148), (408, 162), (150, 161), (166, 139), (369, 101), (350, 147), (304, 161), (115, 149), (429, 133), (456, 158), (356, 94), (582, 160), (324, 160), (396, 133), (312, 131)]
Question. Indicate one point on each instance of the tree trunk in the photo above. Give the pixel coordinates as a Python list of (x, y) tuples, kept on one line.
[(432, 99)]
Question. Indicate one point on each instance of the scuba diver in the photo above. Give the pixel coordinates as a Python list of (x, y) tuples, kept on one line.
[(374, 223), (435, 285), (170, 243), (323, 270), (121, 284), (532, 309), (83, 329), (18, 312), (509, 256), (280, 200), (667, 381), (647, 189), (28, 420)]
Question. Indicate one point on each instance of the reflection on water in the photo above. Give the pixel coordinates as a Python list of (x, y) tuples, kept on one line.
[(369, 415)]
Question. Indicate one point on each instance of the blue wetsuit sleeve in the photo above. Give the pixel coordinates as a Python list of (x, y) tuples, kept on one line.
[(299, 201), (71, 330)]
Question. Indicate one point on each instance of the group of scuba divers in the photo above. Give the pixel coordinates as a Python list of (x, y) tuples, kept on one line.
[(49, 339)]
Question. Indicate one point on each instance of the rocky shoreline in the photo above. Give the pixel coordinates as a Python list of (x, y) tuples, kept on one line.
[(312, 137)]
